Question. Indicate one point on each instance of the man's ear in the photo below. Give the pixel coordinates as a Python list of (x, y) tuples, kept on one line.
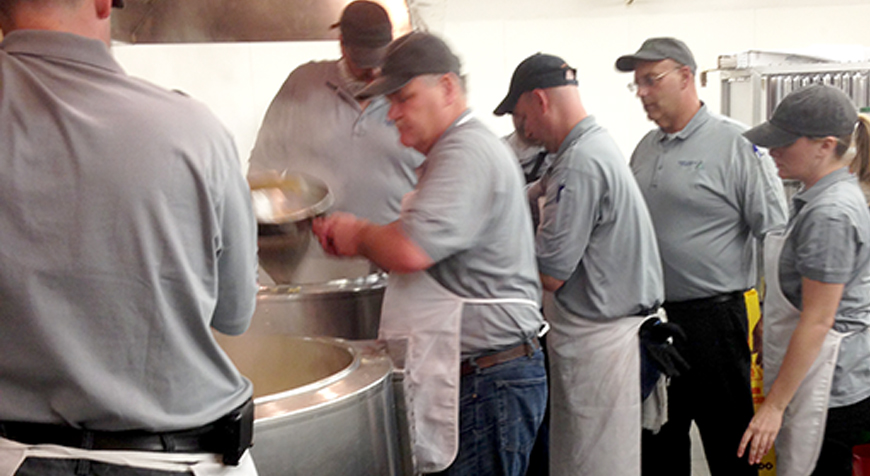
[(452, 89), (103, 8), (540, 99)]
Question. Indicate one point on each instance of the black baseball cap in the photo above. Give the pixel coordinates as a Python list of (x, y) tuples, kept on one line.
[(412, 55), (815, 111), (117, 3), (657, 49), (538, 71), (366, 31)]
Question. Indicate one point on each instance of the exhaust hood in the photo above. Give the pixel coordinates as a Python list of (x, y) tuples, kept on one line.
[(206, 21)]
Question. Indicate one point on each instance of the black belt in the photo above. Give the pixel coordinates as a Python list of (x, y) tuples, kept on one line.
[(485, 361), (707, 301), (229, 436)]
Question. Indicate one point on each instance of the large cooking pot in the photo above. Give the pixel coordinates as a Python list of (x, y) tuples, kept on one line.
[(348, 308), (324, 407)]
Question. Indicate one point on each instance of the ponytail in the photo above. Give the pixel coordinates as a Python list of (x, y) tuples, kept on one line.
[(861, 163)]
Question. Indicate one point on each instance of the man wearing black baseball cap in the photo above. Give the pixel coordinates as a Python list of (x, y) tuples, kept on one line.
[(316, 125), (596, 251), (711, 194), (463, 287)]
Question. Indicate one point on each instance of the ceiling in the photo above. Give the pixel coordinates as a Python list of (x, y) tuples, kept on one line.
[(195, 21)]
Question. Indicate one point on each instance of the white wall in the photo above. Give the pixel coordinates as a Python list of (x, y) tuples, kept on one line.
[(493, 36)]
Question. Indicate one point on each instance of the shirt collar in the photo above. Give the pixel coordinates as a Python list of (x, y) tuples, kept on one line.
[(62, 46), (694, 124), (806, 195), (579, 129)]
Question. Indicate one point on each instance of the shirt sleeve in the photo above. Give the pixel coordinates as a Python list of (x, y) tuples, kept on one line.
[(764, 206), (568, 217), (826, 246), (237, 250), (452, 202)]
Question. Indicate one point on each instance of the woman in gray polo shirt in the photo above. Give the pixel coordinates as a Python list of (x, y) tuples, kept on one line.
[(817, 307)]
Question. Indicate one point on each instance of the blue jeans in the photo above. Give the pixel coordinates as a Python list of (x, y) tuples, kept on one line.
[(500, 410)]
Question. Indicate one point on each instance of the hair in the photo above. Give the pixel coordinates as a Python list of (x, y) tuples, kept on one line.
[(432, 79), (9, 6), (856, 147)]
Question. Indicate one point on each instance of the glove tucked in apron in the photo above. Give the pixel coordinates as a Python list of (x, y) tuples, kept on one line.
[(13, 454), (418, 308), (803, 424), (595, 394)]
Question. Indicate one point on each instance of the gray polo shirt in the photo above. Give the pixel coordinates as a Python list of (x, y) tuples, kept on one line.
[(126, 234), (471, 217), (709, 192), (829, 241), (315, 126), (595, 232)]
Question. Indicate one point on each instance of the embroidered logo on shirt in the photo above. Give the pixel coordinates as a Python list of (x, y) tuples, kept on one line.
[(691, 164)]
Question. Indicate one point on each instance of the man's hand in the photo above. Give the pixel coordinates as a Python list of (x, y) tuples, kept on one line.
[(340, 233)]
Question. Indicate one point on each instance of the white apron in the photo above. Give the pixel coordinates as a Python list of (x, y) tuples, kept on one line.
[(418, 308), (803, 424), (13, 454), (595, 394)]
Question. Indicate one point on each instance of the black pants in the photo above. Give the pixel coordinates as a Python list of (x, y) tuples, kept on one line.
[(846, 427), (715, 393), (73, 467)]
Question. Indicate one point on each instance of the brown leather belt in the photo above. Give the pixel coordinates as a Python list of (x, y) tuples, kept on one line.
[(485, 361)]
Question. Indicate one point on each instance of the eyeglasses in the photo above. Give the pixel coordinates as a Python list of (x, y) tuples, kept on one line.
[(649, 81)]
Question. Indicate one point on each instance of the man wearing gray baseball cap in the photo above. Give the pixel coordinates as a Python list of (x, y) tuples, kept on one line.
[(463, 285), (711, 194)]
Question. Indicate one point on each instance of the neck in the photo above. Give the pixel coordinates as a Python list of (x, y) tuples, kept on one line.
[(823, 172), (83, 19), (689, 106)]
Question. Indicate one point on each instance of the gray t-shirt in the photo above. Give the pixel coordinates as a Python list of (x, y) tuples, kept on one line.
[(470, 216), (314, 125), (595, 232), (710, 192), (829, 241), (126, 234)]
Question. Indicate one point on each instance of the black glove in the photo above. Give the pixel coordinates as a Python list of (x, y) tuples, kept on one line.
[(656, 339)]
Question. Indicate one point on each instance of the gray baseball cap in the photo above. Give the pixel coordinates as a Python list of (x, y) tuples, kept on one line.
[(657, 49), (815, 111), (412, 55)]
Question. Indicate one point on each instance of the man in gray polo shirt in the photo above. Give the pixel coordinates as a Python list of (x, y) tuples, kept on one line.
[(710, 194), (463, 285), (596, 250), (126, 237), (315, 124)]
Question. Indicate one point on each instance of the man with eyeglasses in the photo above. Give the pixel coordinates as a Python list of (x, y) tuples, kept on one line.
[(710, 194)]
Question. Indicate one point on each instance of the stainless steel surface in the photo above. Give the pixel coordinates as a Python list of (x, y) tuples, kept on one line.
[(751, 91), (323, 406), (284, 205), (201, 21), (346, 308)]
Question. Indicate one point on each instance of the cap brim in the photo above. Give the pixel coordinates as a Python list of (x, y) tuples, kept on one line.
[(769, 136), (629, 62), (383, 85), (507, 105), (366, 57)]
